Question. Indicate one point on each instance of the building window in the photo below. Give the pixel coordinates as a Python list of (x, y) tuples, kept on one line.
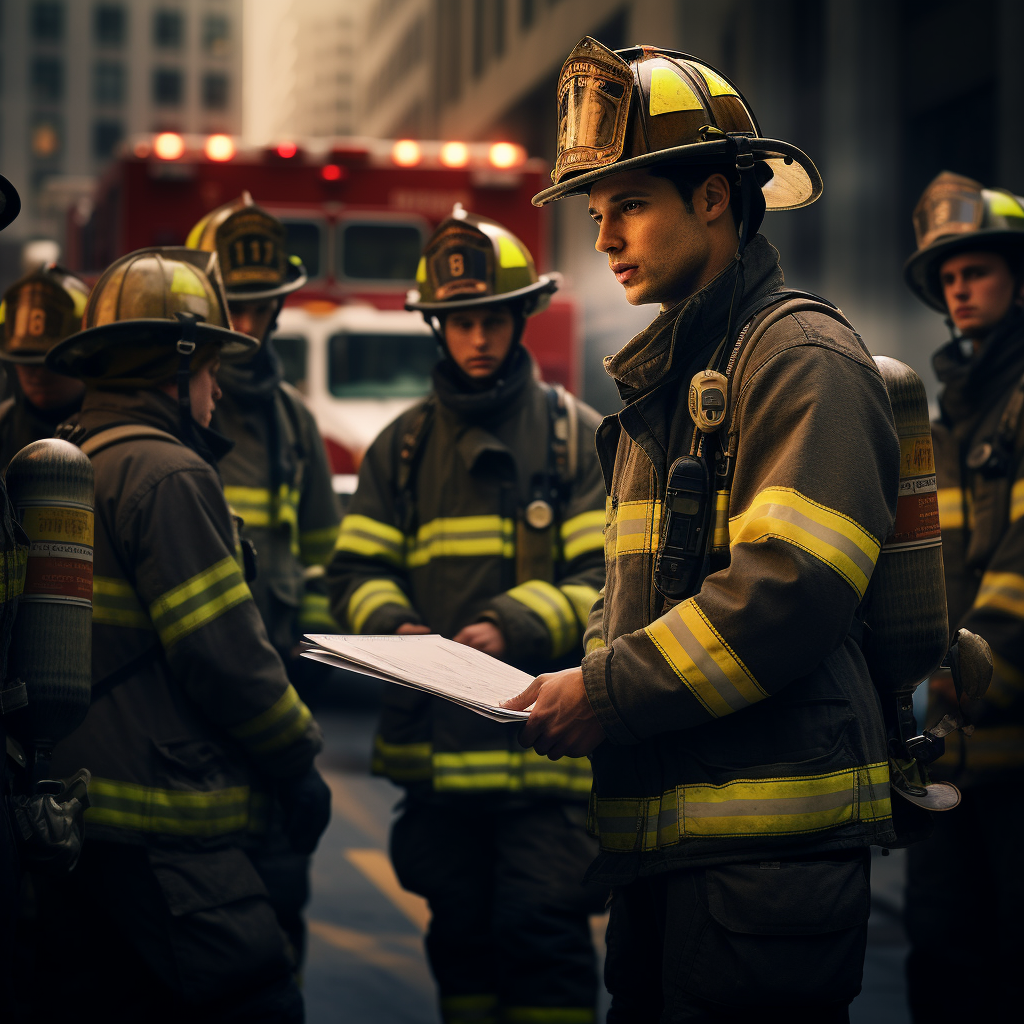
[(167, 87), (168, 30), (527, 12), (105, 137), (108, 83), (47, 21), (48, 79), (109, 24), (215, 91), (499, 28), (47, 139), (216, 34), (479, 58)]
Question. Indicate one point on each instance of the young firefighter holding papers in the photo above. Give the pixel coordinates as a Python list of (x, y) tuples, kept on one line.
[(479, 516)]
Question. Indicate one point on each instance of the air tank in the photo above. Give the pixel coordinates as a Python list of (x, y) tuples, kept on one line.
[(50, 483)]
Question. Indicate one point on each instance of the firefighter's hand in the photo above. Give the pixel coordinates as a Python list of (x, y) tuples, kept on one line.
[(483, 636), (562, 723), (411, 629)]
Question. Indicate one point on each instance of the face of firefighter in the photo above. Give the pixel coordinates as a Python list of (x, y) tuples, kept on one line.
[(203, 392), (253, 318), (48, 390), (478, 340), (657, 249), (979, 288)]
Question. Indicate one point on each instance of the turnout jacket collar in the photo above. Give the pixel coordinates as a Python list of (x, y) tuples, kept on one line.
[(500, 399)]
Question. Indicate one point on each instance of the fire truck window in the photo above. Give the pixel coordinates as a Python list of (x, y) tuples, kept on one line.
[(302, 239), (380, 365), (292, 350), (380, 251)]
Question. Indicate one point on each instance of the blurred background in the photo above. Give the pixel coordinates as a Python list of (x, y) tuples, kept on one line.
[(882, 94)]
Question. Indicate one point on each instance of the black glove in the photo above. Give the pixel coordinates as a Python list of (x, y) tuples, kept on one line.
[(307, 810), (49, 823)]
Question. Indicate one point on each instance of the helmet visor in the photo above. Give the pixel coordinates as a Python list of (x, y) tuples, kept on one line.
[(594, 90)]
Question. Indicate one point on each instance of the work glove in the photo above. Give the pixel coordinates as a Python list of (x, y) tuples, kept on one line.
[(49, 823), (306, 802)]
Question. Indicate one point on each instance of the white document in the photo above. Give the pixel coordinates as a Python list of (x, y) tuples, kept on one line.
[(430, 663)]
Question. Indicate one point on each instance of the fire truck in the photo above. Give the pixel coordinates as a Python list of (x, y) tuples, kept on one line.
[(357, 211)]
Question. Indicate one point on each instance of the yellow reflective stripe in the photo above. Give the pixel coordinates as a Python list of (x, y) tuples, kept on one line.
[(177, 812), (581, 534), (198, 601), (281, 724), (831, 537), (370, 596), (632, 528), (582, 599), (548, 1015), (595, 643), (315, 614), (481, 1008), (1002, 590), (951, 508), (371, 538), (463, 537), (402, 762), (1007, 683), (720, 541), (1016, 501), (745, 807), (554, 609), (251, 503), (315, 546), (509, 770), (698, 654), (115, 603)]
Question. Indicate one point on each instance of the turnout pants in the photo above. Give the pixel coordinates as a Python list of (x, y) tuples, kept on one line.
[(964, 911), (509, 938), (161, 937), (768, 942)]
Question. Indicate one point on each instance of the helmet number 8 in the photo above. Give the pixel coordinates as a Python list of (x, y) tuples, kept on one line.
[(30, 321), (456, 264)]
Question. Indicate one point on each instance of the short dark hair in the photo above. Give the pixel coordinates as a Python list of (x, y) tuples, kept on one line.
[(688, 177)]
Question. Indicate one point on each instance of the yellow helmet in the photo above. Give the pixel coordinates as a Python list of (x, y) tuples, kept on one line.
[(250, 244), (624, 109), (472, 261), (39, 310), (957, 214), (138, 312)]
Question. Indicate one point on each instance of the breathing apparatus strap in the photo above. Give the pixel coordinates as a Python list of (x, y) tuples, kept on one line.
[(186, 346)]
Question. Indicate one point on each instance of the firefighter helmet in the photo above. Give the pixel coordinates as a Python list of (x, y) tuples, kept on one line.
[(39, 310), (250, 244), (471, 261), (134, 318), (957, 214), (623, 109)]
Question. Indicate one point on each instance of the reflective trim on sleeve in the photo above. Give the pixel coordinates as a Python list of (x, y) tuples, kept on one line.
[(128, 805), (581, 534), (115, 603), (1003, 591), (1016, 501), (720, 539), (370, 596), (315, 614), (951, 508), (595, 643), (632, 528), (547, 1015), (831, 537), (554, 609), (463, 537), (261, 509), (281, 724), (198, 601), (582, 599), (698, 654), (510, 771), (361, 535), (402, 762), (745, 807), (315, 546)]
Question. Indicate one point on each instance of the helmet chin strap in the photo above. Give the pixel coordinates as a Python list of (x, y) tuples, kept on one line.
[(186, 346)]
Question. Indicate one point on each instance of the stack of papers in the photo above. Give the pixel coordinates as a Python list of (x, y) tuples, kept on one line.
[(430, 663)]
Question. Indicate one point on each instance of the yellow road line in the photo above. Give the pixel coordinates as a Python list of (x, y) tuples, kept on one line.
[(376, 866), (345, 803), (409, 966)]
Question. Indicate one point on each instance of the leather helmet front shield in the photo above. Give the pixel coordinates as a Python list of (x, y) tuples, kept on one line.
[(594, 92)]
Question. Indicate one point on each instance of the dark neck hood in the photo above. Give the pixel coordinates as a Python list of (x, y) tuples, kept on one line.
[(253, 382), (502, 392)]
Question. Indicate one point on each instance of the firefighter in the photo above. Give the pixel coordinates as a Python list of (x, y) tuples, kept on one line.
[(37, 311), (478, 515), (969, 266), (736, 738), (277, 479), (193, 726)]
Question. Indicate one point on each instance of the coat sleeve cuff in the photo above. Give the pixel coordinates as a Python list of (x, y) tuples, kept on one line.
[(526, 639), (596, 666), (388, 617)]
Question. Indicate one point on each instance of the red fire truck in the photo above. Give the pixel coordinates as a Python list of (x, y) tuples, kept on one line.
[(357, 211)]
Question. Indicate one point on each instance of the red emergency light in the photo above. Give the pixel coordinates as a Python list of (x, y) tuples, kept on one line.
[(505, 155), (332, 172), (219, 148), (286, 150), (169, 146), (454, 154), (406, 153)]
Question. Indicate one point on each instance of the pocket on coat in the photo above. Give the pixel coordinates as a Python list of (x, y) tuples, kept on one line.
[(783, 933)]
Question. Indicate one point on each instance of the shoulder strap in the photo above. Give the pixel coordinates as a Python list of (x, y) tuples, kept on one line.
[(409, 455), (565, 433), (126, 432)]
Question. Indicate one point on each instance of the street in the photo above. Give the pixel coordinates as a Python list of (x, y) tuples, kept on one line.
[(366, 959)]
